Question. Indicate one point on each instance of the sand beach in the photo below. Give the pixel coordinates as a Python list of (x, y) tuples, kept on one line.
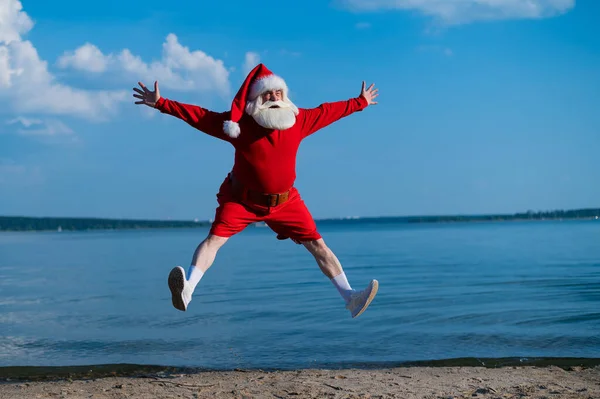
[(401, 382)]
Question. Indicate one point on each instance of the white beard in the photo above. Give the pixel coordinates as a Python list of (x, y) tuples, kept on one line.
[(280, 118)]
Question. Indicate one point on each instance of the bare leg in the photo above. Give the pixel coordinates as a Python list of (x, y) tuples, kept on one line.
[(182, 287), (206, 252), (356, 302), (326, 259)]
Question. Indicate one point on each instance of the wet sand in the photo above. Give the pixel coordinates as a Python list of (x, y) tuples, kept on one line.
[(401, 382)]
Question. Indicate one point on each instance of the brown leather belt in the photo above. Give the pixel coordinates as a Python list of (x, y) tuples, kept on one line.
[(256, 197)]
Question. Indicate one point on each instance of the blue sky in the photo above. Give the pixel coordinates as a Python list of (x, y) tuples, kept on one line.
[(484, 106)]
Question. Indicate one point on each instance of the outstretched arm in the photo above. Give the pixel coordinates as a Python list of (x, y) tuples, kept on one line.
[(202, 119), (327, 113)]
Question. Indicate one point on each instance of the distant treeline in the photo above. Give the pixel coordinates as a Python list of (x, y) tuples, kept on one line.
[(530, 215), (592, 213), (19, 223)]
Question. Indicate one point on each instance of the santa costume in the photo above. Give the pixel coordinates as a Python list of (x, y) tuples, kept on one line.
[(260, 187)]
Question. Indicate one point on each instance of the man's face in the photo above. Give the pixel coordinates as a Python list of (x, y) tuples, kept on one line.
[(270, 110), (272, 95)]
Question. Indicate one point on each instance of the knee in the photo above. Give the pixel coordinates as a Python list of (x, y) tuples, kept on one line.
[(214, 242)]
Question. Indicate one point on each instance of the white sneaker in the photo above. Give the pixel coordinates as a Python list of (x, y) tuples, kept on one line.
[(360, 300), (181, 290)]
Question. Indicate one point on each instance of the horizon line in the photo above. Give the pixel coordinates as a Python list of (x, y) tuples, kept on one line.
[(196, 220)]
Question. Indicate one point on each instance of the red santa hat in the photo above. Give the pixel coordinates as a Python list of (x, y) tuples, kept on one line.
[(259, 80)]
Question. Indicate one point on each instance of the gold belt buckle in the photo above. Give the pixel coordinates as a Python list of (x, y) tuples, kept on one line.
[(273, 199)]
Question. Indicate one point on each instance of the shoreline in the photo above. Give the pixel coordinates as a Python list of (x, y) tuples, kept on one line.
[(444, 382), (131, 370)]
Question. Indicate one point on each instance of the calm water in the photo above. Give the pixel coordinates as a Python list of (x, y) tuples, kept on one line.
[(446, 291)]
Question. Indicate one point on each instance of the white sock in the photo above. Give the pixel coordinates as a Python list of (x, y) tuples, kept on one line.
[(194, 275), (341, 283)]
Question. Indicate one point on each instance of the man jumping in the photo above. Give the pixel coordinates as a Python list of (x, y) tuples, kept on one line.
[(266, 129)]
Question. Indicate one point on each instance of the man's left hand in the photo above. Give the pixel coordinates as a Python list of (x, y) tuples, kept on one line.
[(369, 94)]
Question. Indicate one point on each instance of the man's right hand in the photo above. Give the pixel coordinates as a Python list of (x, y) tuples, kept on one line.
[(148, 97)]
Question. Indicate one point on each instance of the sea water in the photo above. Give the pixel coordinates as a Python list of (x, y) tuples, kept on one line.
[(482, 290)]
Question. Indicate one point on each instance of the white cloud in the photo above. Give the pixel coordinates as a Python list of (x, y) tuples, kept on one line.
[(464, 11), (13, 21), (6, 71), (37, 127), (27, 85), (178, 69), (251, 60), (87, 58), (24, 121)]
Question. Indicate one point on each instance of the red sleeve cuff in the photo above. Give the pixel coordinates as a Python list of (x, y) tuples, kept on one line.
[(160, 103), (363, 102)]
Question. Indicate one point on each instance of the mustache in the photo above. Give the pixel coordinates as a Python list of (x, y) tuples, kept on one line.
[(257, 107), (274, 104)]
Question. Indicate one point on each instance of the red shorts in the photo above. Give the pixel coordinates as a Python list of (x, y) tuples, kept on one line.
[(289, 220)]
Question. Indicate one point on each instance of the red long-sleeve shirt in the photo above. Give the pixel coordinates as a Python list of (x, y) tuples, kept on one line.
[(265, 159)]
